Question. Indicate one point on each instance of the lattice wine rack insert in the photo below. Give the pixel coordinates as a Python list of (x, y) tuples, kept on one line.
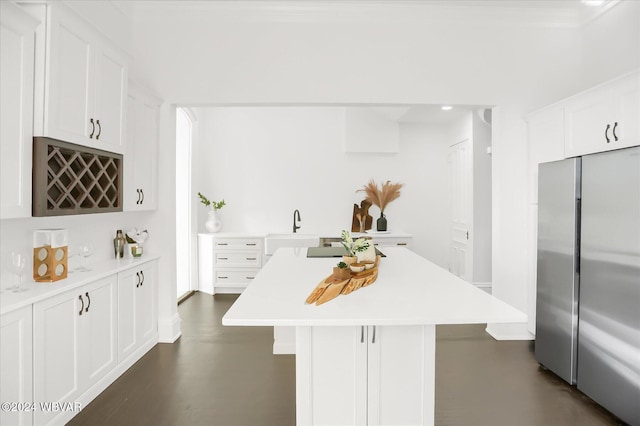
[(73, 179)]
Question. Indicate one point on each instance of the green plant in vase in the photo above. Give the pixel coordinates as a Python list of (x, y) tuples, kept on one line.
[(353, 247)]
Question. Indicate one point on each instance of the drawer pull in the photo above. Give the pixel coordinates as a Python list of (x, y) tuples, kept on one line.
[(402, 244), (251, 258), (250, 278), (222, 278), (223, 258), (89, 299), (251, 244), (222, 244), (82, 307)]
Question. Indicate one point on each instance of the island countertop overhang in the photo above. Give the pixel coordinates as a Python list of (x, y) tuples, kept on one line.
[(410, 290)]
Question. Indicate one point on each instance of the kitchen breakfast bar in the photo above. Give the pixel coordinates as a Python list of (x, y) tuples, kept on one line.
[(366, 358)]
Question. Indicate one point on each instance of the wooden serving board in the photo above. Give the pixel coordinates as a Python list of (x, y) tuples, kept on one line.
[(331, 287)]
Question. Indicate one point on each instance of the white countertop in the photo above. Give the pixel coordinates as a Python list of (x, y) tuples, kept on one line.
[(36, 292), (409, 290)]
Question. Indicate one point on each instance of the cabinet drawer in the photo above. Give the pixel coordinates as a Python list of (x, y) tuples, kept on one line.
[(237, 244), (223, 278), (248, 258)]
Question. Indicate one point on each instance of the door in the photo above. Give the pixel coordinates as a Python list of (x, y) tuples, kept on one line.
[(56, 346), (128, 284), (609, 319), (461, 172), (145, 304), (557, 267), (69, 82), (401, 380), (98, 331), (109, 110), (17, 33)]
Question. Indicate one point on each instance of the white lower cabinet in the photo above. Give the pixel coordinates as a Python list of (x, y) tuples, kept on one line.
[(16, 370), (137, 322), (74, 344), (365, 375)]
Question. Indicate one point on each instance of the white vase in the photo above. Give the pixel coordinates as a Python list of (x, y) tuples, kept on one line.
[(213, 223)]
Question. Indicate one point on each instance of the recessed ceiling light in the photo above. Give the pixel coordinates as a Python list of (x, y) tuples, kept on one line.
[(446, 107), (593, 2)]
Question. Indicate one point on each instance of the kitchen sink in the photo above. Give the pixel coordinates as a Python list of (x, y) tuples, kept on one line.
[(273, 242)]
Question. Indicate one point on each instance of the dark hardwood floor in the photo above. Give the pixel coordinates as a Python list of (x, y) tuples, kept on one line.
[(227, 376)]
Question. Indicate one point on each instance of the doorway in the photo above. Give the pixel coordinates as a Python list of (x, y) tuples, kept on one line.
[(185, 253)]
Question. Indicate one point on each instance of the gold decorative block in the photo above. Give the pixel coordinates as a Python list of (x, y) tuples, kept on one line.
[(50, 254)]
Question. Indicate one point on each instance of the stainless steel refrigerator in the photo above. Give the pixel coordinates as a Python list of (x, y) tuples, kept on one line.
[(588, 289)]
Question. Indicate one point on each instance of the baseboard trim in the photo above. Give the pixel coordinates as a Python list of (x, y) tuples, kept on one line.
[(169, 329), (510, 331)]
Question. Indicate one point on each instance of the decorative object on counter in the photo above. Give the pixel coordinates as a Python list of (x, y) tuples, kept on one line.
[(332, 286), (353, 247), (356, 267), (136, 239), (381, 197), (85, 251), (361, 220), (50, 252), (118, 244), (213, 223), (341, 271)]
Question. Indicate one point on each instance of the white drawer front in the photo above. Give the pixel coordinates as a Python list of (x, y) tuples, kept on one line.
[(235, 277), (237, 244), (230, 258)]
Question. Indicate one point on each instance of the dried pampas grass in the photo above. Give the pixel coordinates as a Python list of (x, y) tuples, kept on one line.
[(382, 196)]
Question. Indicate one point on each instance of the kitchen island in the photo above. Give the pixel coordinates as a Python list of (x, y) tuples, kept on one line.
[(365, 358)]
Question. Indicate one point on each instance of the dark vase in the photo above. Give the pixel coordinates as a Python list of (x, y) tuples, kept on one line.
[(381, 223)]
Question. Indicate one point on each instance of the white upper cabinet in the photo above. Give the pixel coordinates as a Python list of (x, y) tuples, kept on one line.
[(141, 158), (604, 118), (17, 35), (85, 85)]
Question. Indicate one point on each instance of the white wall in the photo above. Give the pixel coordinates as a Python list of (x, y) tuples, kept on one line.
[(481, 201), (268, 161)]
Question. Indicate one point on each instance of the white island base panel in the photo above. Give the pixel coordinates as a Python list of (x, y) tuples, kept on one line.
[(365, 375)]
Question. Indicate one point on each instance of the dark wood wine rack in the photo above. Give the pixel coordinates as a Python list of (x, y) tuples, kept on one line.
[(73, 179)]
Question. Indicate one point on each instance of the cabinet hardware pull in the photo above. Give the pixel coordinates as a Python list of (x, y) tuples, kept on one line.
[(373, 339), (222, 278), (142, 192), (362, 334), (99, 129), (138, 283), (467, 235), (223, 258), (402, 244), (250, 278), (222, 244), (89, 299), (606, 133), (93, 128), (82, 307), (251, 258), (142, 273), (615, 137), (138, 191), (251, 244)]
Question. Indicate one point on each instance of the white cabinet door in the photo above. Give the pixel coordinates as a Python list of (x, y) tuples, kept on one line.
[(68, 81), (367, 375), (16, 365), (98, 331), (84, 84), (627, 112), (604, 118), (141, 159), (17, 32), (109, 109), (401, 377), (74, 343), (137, 317), (331, 375), (56, 351)]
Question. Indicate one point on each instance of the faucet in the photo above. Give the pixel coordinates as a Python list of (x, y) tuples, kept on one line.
[(295, 224)]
